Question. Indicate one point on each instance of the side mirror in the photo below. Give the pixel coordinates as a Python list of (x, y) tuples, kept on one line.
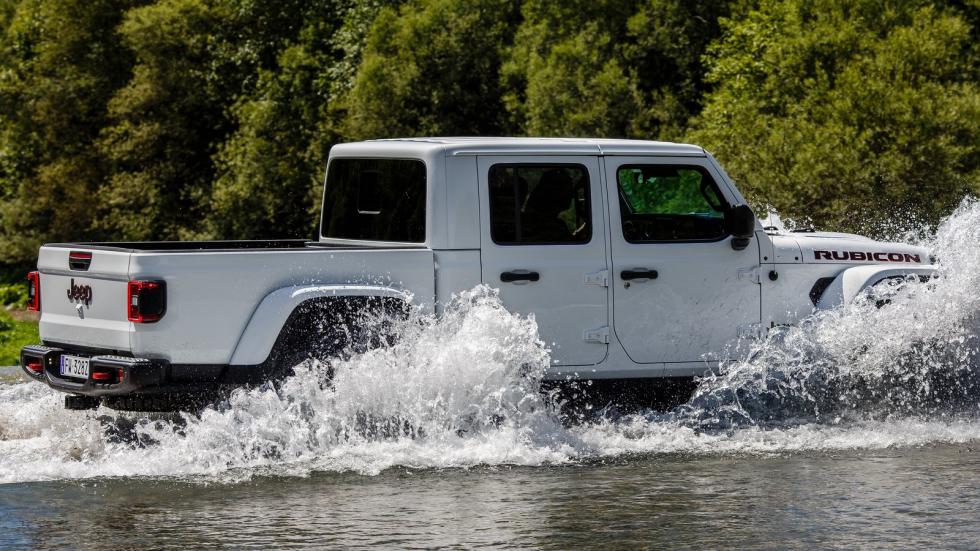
[(740, 224)]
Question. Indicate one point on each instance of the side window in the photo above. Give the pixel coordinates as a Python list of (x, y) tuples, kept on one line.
[(539, 204), (669, 203), (375, 199)]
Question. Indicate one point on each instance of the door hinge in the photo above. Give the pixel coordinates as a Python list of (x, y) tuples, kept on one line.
[(751, 274), (600, 278), (599, 335)]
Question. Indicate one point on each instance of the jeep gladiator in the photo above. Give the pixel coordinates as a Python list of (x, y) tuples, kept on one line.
[(639, 260)]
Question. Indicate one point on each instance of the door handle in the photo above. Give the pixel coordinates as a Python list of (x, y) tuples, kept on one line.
[(638, 273), (519, 275)]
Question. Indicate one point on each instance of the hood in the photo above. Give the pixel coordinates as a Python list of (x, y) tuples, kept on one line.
[(846, 248)]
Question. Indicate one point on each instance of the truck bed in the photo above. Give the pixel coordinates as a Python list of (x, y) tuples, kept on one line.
[(192, 246), (213, 289)]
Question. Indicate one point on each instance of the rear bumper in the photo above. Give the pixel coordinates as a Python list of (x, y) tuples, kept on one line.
[(127, 375)]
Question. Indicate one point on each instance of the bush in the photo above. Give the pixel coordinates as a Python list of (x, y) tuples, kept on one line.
[(15, 334), (13, 294)]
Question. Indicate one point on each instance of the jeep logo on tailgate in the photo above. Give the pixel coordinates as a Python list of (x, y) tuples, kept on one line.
[(81, 293)]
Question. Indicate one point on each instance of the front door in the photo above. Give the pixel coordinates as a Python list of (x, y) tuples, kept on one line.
[(681, 292), (544, 247)]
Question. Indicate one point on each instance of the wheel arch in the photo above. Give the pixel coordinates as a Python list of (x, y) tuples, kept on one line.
[(289, 307), (852, 281)]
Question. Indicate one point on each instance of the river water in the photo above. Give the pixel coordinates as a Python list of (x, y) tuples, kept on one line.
[(904, 499), (859, 428)]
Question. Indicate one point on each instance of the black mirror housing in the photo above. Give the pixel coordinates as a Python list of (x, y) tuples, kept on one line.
[(740, 224)]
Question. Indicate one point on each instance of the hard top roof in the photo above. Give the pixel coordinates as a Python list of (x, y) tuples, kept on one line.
[(522, 146)]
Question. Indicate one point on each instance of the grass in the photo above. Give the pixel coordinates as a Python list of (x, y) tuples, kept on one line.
[(17, 328)]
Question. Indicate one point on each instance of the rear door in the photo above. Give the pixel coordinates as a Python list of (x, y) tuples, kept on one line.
[(544, 247), (681, 293)]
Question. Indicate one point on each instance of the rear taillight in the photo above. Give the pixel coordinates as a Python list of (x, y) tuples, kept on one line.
[(147, 301), (34, 291)]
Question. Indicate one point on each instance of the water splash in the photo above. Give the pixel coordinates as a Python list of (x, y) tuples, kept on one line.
[(460, 390), (465, 390), (907, 347)]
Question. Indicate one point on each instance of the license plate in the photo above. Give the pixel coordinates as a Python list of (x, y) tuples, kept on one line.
[(74, 366)]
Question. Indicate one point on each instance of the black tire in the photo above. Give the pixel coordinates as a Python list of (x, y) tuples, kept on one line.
[(333, 328)]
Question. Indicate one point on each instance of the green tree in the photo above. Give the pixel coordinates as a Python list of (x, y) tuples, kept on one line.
[(826, 109), (194, 60), (566, 74), (610, 68), (61, 63), (7, 9), (166, 121), (271, 168), (432, 68), (666, 42)]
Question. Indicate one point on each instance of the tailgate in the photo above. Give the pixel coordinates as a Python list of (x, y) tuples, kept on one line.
[(83, 300)]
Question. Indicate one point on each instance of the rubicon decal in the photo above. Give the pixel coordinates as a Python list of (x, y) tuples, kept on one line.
[(81, 293), (861, 256)]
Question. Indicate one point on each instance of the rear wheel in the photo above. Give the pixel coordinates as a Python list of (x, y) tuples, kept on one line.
[(330, 329)]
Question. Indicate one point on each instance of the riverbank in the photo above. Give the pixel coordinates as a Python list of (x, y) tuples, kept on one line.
[(18, 327)]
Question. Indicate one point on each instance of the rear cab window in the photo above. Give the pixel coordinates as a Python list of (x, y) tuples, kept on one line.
[(375, 200)]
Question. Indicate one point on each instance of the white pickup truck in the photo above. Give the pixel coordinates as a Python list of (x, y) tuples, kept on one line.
[(639, 259)]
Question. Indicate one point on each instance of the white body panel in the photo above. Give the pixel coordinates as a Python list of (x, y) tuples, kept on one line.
[(100, 324), (703, 295), (564, 304), (212, 295), (793, 258), (228, 306)]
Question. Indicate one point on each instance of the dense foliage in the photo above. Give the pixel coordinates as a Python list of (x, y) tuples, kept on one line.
[(179, 119), (838, 108)]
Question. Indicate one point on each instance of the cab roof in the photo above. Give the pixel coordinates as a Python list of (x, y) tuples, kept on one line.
[(518, 146)]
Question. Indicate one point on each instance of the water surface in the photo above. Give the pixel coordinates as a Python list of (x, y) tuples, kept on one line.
[(910, 498)]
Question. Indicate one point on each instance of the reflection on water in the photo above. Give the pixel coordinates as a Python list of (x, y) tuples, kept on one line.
[(925, 497)]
